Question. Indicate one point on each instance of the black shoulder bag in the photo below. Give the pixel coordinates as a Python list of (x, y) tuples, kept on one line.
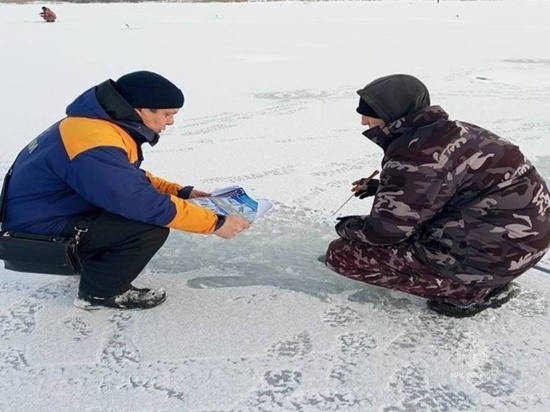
[(24, 252)]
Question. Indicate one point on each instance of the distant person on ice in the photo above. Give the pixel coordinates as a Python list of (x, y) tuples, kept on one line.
[(458, 212), (48, 15), (86, 167)]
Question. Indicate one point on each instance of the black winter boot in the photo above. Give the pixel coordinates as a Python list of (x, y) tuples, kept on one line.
[(133, 298), (495, 299)]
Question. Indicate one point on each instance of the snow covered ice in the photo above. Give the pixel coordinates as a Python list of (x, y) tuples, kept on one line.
[(257, 323)]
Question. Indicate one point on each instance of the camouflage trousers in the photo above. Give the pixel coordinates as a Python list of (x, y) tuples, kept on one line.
[(395, 267)]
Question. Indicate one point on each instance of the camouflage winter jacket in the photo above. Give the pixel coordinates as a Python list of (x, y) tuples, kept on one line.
[(472, 206)]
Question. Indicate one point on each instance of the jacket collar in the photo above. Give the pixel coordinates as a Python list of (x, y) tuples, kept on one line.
[(383, 136), (104, 102)]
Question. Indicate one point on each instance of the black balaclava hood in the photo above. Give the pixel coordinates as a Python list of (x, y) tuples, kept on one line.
[(395, 96)]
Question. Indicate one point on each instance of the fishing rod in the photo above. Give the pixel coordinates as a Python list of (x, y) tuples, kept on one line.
[(542, 269)]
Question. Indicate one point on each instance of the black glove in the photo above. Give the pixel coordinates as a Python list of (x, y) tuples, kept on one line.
[(345, 222), (368, 189)]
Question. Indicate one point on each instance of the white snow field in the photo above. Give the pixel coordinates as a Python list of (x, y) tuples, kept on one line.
[(257, 323)]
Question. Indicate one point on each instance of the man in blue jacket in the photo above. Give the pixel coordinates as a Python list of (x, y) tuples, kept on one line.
[(86, 167)]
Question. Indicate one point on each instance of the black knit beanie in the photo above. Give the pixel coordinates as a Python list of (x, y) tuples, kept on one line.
[(148, 90), (366, 110)]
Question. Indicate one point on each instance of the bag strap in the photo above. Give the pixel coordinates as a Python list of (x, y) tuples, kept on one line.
[(3, 194)]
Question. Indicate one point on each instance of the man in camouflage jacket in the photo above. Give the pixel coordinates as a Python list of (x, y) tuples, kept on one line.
[(458, 212)]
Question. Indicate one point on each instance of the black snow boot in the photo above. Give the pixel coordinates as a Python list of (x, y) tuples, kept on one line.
[(133, 298), (495, 299)]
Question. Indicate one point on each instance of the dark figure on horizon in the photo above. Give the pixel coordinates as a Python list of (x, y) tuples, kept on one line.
[(48, 15)]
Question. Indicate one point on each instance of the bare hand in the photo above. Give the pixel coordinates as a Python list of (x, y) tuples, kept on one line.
[(198, 193), (233, 225), (359, 185)]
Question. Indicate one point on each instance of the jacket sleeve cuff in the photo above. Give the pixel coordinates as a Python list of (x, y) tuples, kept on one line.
[(185, 192), (219, 222)]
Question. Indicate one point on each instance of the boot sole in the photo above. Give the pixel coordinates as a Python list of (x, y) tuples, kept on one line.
[(82, 304)]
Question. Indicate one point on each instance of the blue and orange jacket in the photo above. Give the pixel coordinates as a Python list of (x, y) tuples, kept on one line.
[(90, 161)]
